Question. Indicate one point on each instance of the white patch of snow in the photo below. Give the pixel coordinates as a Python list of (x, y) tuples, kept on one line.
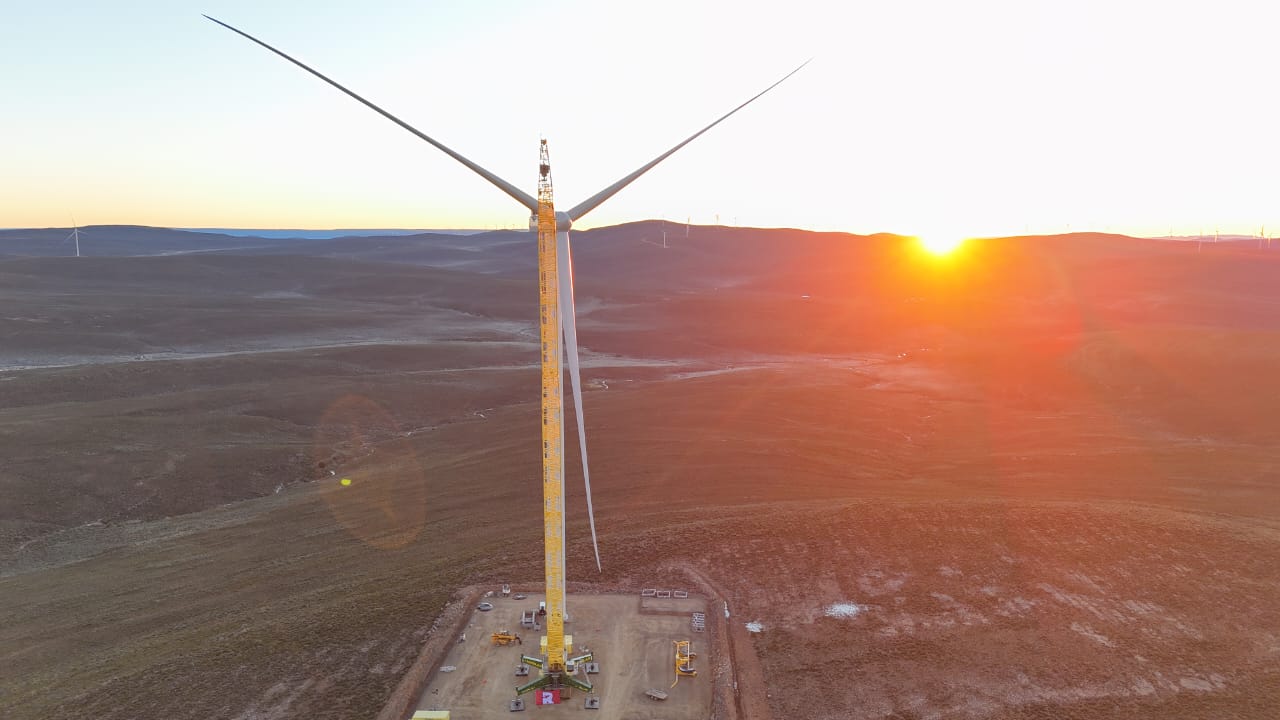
[(842, 610)]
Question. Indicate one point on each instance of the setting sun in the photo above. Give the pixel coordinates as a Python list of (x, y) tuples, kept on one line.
[(941, 245)]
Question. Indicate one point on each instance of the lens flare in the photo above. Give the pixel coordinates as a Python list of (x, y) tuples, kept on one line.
[(357, 438)]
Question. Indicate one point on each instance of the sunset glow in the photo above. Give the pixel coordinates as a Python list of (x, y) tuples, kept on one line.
[(941, 244)]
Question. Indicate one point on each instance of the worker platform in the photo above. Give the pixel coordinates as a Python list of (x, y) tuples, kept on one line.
[(633, 656)]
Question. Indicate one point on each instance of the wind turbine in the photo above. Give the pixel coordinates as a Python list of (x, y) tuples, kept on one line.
[(557, 321), (647, 241), (74, 234)]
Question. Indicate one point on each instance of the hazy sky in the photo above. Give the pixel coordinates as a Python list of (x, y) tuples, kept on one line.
[(972, 118)]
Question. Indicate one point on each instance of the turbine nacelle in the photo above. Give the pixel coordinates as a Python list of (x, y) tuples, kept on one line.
[(563, 222)]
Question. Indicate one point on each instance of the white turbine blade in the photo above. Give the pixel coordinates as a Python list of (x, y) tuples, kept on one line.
[(592, 202), (520, 196), (569, 323)]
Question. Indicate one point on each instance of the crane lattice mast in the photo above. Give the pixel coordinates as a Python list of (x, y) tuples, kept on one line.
[(557, 668)]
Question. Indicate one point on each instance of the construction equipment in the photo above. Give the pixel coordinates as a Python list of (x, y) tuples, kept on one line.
[(504, 637), (684, 660), (554, 662)]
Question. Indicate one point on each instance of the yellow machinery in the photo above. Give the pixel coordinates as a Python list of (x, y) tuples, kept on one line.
[(684, 660), (557, 667), (502, 637)]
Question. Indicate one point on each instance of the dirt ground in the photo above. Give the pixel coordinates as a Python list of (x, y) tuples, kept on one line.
[(1006, 610), (1005, 562), (632, 641), (1048, 489)]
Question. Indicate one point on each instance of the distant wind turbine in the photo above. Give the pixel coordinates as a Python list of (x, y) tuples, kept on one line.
[(74, 235), (647, 241)]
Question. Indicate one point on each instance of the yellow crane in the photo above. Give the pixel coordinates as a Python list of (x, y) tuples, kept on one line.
[(558, 670)]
